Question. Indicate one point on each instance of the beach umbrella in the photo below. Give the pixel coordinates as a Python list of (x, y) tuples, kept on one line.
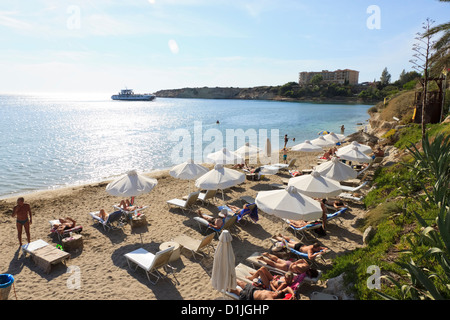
[(223, 276), (336, 170), (288, 203), (323, 132), (361, 147), (322, 142), (220, 178), (247, 150), (315, 185), (355, 155), (334, 137), (224, 156), (132, 184), (188, 170), (306, 146)]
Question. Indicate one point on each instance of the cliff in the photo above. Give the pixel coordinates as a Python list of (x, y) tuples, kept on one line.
[(258, 93)]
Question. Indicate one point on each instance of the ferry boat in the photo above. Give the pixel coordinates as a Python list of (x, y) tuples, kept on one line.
[(128, 94)]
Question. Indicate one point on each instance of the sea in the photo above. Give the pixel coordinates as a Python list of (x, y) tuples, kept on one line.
[(49, 141)]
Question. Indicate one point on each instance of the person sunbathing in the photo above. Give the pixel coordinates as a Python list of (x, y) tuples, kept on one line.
[(247, 291), (65, 224), (266, 280), (299, 266), (127, 206), (215, 223), (102, 214), (338, 204), (312, 250)]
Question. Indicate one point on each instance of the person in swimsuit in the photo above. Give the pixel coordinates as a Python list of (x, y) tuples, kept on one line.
[(269, 281), (248, 291), (312, 250), (216, 223), (22, 212), (299, 266)]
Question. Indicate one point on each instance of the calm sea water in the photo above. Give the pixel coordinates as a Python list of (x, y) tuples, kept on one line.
[(51, 141)]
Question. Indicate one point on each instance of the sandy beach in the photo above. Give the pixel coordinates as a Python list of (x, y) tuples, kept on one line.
[(104, 271)]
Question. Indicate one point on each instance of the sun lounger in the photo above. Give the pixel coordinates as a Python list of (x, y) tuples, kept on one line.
[(350, 189), (349, 196), (207, 196), (54, 225), (286, 166), (300, 232), (196, 246), (187, 204), (137, 210), (229, 222), (150, 262), (45, 255), (112, 222)]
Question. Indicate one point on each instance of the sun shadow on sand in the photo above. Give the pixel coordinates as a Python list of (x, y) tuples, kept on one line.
[(165, 288)]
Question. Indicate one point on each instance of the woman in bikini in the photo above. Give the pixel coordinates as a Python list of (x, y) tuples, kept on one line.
[(299, 266), (312, 250)]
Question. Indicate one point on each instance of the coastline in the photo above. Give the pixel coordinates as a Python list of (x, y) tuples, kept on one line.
[(104, 270)]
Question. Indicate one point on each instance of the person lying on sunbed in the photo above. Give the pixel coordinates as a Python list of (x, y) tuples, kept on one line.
[(249, 209), (299, 266), (247, 291), (312, 250), (216, 223), (127, 206), (64, 224), (338, 204), (264, 279)]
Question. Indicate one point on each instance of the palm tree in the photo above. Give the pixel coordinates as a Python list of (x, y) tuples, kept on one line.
[(440, 59)]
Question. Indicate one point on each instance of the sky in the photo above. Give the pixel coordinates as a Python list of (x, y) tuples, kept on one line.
[(150, 45)]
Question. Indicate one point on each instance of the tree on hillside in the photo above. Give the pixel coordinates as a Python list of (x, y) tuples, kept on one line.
[(316, 79), (385, 78), (421, 62)]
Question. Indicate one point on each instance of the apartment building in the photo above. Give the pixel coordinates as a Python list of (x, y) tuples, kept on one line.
[(338, 76)]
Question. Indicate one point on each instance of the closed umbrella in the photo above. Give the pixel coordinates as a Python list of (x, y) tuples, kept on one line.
[(288, 203), (336, 170), (220, 178), (315, 185), (132, 184), (361, 147), (223, 276), (355, 155), (322, 142), (306, 146), (224, 156)]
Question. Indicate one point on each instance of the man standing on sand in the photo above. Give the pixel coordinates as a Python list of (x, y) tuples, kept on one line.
[(21, 212)]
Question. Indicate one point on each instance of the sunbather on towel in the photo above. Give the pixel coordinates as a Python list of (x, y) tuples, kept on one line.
[(299, 266), (65, 224), (216, 223), (312, 250), (250, 292)]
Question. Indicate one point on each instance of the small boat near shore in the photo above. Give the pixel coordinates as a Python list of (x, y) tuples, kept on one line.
[(129, 95)]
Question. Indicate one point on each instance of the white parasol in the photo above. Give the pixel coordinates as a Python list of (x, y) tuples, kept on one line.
[(225, 156), (306, 146), (132, 184), (223, 276), (289, 203), (336, 170), (315, 185)]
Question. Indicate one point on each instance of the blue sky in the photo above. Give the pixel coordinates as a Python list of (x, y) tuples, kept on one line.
[(148, 45)]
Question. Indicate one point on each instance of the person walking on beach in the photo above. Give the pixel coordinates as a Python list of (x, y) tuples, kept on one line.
[(286, 139), (285, 155), (22, 212)]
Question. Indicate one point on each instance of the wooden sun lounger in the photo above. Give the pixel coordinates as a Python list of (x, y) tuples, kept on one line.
[(45, 255)]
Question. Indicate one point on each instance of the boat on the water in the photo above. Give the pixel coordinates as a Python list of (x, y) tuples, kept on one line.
[(128, 94)]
